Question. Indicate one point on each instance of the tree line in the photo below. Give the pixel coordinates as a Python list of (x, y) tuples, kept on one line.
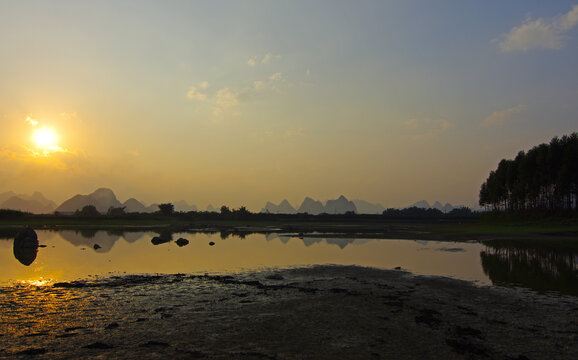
[(544, 178)]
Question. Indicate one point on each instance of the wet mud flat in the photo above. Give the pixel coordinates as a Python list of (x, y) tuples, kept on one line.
[(322, 312)]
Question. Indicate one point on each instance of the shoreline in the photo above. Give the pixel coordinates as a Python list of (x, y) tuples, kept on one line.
[(320, 312)]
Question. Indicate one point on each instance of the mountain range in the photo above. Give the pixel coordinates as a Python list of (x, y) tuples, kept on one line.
[(104, 198), (341, 205), (338, 206), (35, 203)]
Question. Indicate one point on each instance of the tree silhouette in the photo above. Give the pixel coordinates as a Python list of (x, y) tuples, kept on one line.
[(546, 177), (225, 210), (166, 208), (88, 210), (116, 211)]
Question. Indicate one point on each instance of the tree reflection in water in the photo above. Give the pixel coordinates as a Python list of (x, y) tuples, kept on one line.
[(541, 268)]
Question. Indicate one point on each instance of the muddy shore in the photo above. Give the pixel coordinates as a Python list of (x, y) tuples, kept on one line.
[(324, 312)]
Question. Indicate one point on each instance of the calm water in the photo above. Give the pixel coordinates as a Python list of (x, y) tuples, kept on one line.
[(71, 255)]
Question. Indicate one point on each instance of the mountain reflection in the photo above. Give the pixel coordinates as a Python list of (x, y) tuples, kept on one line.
[(104, 239), (539, 268), (308, 241)]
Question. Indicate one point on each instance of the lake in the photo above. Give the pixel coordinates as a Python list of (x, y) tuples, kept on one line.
[(70, 255)]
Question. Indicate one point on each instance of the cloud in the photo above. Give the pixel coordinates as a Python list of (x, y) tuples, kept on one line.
[(204, 85), (259, 85), (264, 60), (300, 132), (193, 94), (501, 117), (427, 128), (540, 33), (19, 154), (276, 77), (225, 99), (31, 121)]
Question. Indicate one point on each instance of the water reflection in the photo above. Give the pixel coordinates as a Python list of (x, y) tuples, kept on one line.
[(104, 239), (541, 267), (74, 254)]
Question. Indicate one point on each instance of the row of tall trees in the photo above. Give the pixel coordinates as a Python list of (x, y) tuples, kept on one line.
[(546, 177)]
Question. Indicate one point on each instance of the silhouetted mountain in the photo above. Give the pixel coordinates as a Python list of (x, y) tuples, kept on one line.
[(364, 207), (438, 205), (311, 206), (182, 205), (36, 204), (283, 208), (102, 199), (420, 204), (339, 206), (211, 208), (6, 195), (447, 208), (154, 207), (132, 205)]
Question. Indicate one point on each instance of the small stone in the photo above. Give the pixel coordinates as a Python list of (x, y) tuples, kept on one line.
[(96, 246), (212, 243)]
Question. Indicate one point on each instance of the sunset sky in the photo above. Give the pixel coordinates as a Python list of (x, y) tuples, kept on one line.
[(240, 102)]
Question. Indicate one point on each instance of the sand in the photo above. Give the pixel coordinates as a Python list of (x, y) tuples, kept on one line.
[(323, 312)]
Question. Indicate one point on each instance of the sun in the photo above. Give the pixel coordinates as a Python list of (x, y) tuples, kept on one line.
[(46, 140)]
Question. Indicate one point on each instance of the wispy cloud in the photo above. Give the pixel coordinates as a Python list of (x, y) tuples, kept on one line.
[(426, 128), (195, 94), (62, 159), (503, 116), (549, 33), (262, 60), (31, 121), (300, 132), (226, 98)]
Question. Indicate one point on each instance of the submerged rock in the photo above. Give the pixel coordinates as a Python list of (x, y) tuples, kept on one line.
[(157, 240), (182, 242)]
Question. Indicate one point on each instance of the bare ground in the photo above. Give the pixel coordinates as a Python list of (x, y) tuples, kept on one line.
[(324, 312)]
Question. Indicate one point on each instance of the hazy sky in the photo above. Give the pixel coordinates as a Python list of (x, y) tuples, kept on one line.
[(240, 102)]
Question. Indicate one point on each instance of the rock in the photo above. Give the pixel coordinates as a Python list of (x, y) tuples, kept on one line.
[(157, 240), (25, 246), (96, 246), (182, 242), (212, 243)]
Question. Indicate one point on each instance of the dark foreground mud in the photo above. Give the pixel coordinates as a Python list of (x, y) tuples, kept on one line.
[(325, 312)]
